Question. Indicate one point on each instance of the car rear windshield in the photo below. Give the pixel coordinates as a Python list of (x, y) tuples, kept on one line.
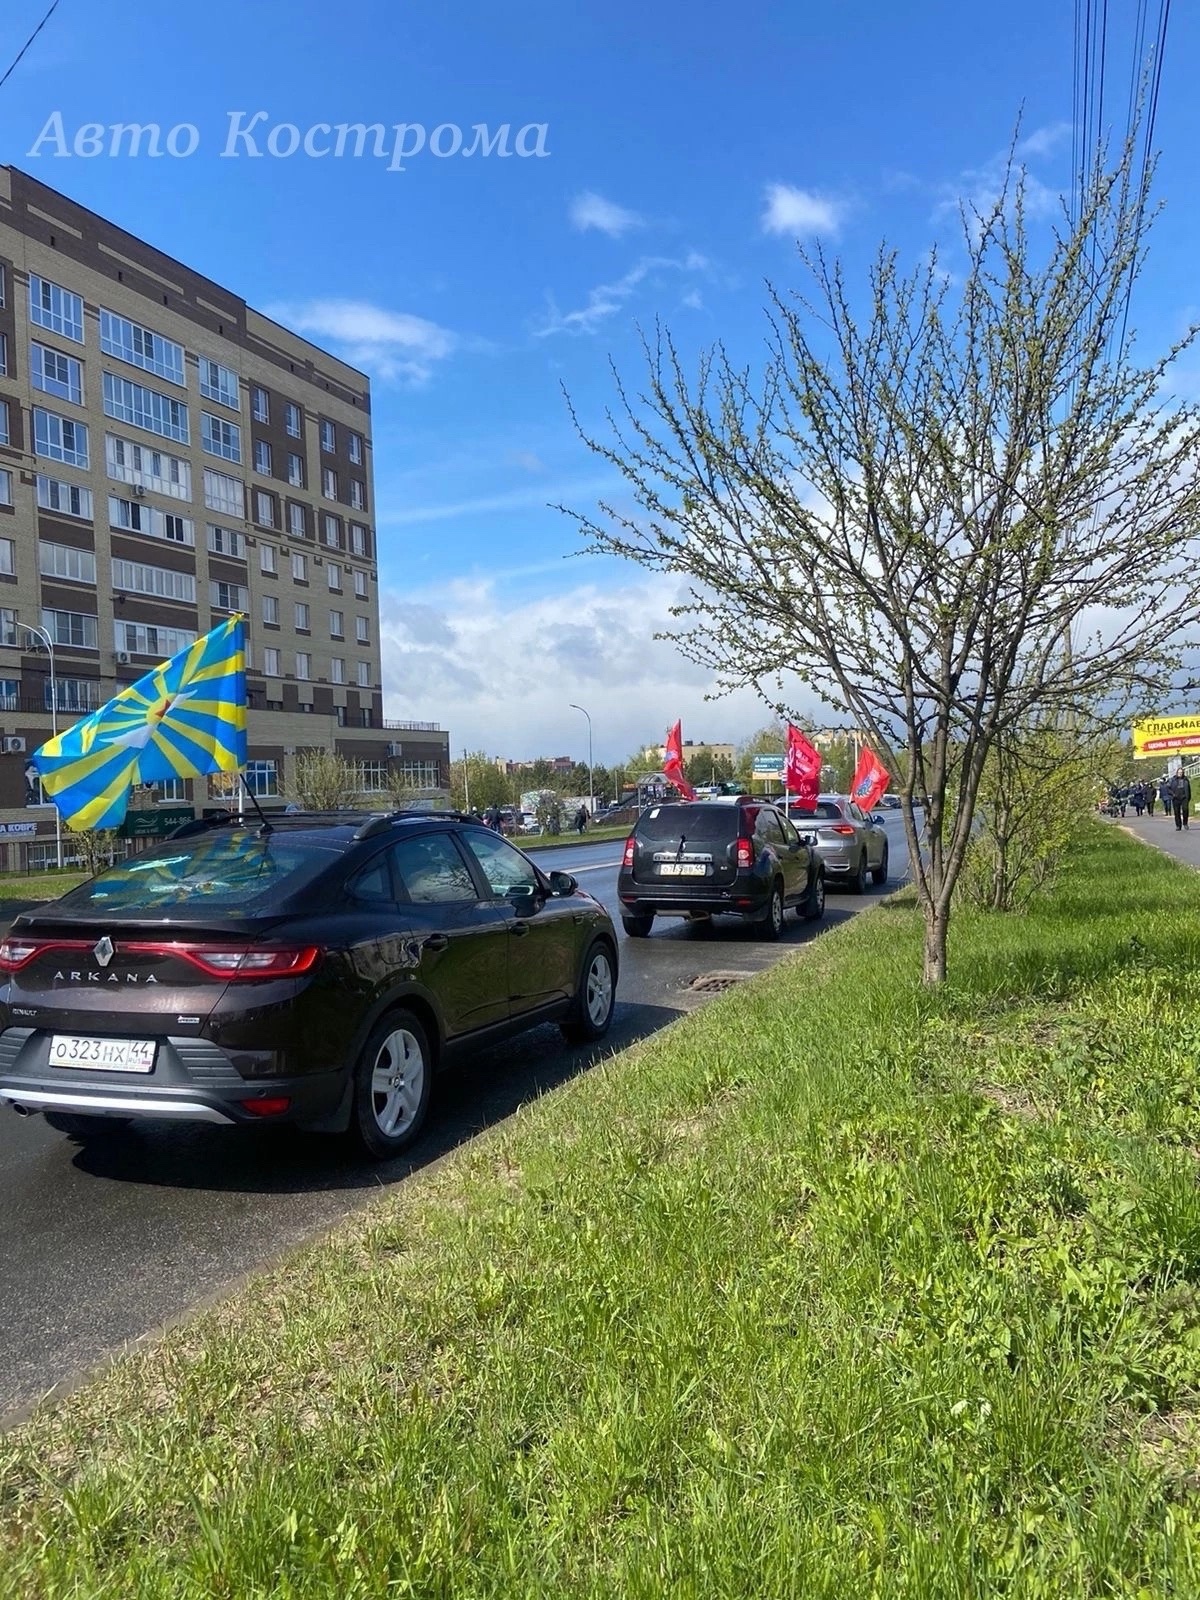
[(689, 822), (227, 872), (824, 810)]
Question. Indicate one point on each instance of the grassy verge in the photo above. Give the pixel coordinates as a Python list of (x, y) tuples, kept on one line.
[(834, 1289)]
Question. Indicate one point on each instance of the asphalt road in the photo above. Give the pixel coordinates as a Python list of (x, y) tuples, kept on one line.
[(104, 1244)]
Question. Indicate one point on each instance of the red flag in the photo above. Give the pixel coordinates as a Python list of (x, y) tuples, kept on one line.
[(802, 770), (673, 762), (871, 778)]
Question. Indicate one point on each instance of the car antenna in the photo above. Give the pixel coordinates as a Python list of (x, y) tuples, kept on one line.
[(253, 798)]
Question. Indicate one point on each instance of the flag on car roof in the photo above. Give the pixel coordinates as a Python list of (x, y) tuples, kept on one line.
[(871, 778), (184, 719), (673, 761)]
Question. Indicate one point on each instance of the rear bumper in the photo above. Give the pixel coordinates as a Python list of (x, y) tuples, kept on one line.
[(740, 899), (192, 1080)]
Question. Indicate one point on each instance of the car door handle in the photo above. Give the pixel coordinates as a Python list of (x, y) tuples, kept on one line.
[(518, 929), (436, 941)]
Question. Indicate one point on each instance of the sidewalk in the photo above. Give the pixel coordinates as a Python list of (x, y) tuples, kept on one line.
[(1159, 830)]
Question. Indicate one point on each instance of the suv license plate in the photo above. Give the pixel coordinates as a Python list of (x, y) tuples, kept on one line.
[(682, 869), (102, 1055)]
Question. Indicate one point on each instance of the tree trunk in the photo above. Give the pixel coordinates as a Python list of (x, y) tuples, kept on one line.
[(937, 925)]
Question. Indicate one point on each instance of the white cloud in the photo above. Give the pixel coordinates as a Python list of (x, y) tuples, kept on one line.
[(589, 210), (483, 505), (604, 301), (500, 675), (391, 346), (801, 213), (1044, 141), (693, 300)]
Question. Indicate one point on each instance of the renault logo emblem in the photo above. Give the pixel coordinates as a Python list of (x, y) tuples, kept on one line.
[(103, 951)]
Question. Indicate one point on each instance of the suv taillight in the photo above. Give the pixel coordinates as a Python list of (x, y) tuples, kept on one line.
[(745, 853), (627, 859)]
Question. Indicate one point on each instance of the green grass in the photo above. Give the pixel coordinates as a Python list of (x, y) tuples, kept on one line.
[(833, 1289)]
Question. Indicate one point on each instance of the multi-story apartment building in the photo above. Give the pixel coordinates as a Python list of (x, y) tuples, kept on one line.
[(169, 456)]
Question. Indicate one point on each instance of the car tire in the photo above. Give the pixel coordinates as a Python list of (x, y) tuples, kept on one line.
[(771, 926), (879, 874), (80, 1126), (859, 881), (594, 999), (637, 924), (813, 908), (392, 1086)]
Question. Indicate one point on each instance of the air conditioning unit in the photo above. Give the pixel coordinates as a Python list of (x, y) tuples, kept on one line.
[(123, 658), (139, 489), (14, 745), (395, 749)]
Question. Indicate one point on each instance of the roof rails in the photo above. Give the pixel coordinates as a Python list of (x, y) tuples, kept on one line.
[(383, 820)]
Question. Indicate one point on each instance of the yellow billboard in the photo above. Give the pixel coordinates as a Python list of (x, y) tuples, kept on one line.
[(1161, 736)]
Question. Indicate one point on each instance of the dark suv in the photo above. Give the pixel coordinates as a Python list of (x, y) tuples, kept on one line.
[(703, 857), (314, 970)]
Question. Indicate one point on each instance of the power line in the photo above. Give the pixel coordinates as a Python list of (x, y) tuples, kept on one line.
[(28, 42)]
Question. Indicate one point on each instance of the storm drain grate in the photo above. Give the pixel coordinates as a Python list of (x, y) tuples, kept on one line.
[(715, 982)]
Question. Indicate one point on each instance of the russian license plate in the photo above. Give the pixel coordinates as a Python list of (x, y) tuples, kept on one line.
[(102, 1055), (682, 869)]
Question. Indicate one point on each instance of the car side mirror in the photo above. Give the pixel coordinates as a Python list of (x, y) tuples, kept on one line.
[(563, 884), (810, 839)]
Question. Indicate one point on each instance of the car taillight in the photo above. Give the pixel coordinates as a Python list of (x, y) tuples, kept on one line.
[(15, 953), (745, 853), (237, 961), (627, 859), (844, 829)]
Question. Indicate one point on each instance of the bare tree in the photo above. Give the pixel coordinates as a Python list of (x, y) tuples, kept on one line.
[(325, 781), (952, 516)]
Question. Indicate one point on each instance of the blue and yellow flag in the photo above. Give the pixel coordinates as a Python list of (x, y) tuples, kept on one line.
[(184, 719)]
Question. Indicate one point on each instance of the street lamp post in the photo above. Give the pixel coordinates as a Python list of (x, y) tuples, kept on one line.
[(591, 786), (44, 636)]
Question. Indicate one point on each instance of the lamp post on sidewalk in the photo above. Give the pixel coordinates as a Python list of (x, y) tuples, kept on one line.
[(591, 786), (43, 635)]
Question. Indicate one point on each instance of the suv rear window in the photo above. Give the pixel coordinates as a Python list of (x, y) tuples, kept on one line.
[(714, 823), (223, 871), (826, 810)]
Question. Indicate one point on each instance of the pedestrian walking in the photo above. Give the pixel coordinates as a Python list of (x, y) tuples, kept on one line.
[(1151, 797), (1181, 799), (1138, 796), (1164, 794), (581, 819)]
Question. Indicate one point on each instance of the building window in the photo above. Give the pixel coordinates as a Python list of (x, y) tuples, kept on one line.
[(75, 629), (56, 308), (147, 467), (291, 419), (270, 610), (264, 509), (72, 694), (145, 408), (333, 575), (135, 577), (295, 470), (266, 559), (329, 483), (60, 438), (372, 776), (226, 542), (340, 713), (297, 525), (10, 689), (146, 639), (364, 676), (222, 493), (299, 567), (420, 774), (3, 286), (170, 789), (219, 383), (303, 666), (3, 355), (141, 518), (262, 779), (362, 630), (4, 435), (56, 374), (356, 449), (260, 404), (358, 539), (129, 341), (337, 625), (337, 670), (227, 596), (9, 633), (365, 717), (6, 498), (64, 561), (302, 617), (220, 438), (333, 530), (360, 585), (271, 664), (358, 495), (328, 436), (8, 558), (68, 499), (262, 457)]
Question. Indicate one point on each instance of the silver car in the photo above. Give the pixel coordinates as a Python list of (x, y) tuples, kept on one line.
[(849, 842)]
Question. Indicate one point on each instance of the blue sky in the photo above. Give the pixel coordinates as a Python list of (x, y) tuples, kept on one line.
[(688, 146)]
